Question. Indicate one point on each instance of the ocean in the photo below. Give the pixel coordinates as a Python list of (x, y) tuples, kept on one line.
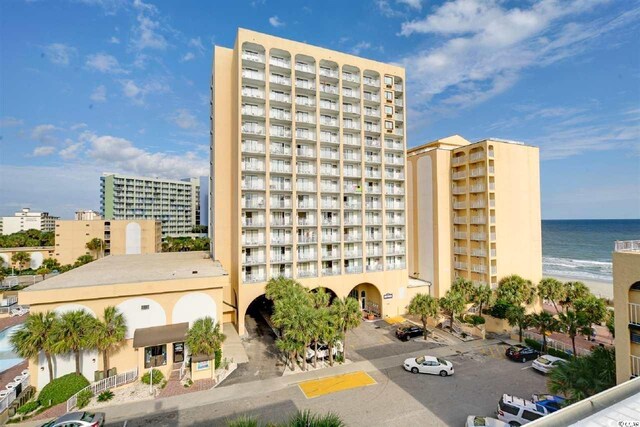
[(581, 249)]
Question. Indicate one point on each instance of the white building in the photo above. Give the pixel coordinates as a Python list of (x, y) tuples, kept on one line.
[(27, 220), (87, 215)]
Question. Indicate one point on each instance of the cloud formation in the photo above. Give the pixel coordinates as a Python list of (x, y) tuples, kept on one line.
[(184, 119), (104, 63), (59, 53), (99, 94), (275, 22), (43, 151)]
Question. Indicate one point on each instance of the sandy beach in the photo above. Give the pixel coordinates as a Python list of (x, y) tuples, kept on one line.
[(598, 288)]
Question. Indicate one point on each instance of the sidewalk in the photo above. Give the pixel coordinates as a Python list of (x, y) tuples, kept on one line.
[(247, 390), (233, 349)]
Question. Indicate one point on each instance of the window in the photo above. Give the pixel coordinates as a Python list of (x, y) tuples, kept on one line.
[(155, 356), (530, 416), (388, 110), (144, 307), (508, 408), (388, 95), (388, 80), (388, 124)]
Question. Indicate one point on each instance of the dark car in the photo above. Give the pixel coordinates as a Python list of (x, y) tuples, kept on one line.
[(78, 419), (407, 332), (521, 353)]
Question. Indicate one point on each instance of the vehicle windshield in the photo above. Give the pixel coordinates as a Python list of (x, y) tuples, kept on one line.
[(87, 416), (419, 360), (543, 360), (442, 361), (479, 421)]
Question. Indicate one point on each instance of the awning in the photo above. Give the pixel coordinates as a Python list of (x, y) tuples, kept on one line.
[(146, 337), (201, 358)]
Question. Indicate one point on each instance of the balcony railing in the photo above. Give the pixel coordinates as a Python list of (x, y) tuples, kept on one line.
[(478, 268), (371, 82), (255, 112), (253, 204), (253, 260), (312, 238), (254, 57), (306, 186), (307, 273), (394, 175), (280, 97), (459, 175), (253, 222), (306, 85), (634, 313), (374, 268), (352, 237), (275, 149), (395, 206), (479, 236), (635, 366), (278, 62), (353, 109), (353, 269), (280, 115), (478, 172), (479, 204), (353, 78), (395, 236), (305, 153), (307, 256), (307, 102), (281, 239), (395, 265), (280, 258), (333, 90), (253, 241), (478, 220), (330, 271), (459, 190), (331, 155), (352, 205), (252, 185), (306, 68), (460, 265), (285, 222), (248, 74), (479, 252), (459, 235), (280, 186), (477, 188), (253, 278), (459, 250), (307, 222), (253, 148), (329, 73), (460, 220), (458, 160), (476, 156), (627, 246)]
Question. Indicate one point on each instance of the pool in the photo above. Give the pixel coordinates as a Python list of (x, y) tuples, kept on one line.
[(8, 358)]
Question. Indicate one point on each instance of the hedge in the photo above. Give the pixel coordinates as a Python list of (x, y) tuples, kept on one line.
[(29, 407), (217, 358), (550, 351), (499, 310), (474, 319), (61, 389), (84, 397)]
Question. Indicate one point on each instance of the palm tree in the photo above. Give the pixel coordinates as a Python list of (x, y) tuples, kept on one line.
[(552, 290), (574, 291), (21, 258), (278, 287), (36, 335), (593, 308), (291, 317), (515, 290), (329, 331), (320, 298), (347, 312), (109, 334), (483, 295), (72, 333), (464, 287), (82, 260), (96, 245), (545, 322), (572, 323), (43, 271), (425, 306), (452, 303), (516, 316), (204, 337)]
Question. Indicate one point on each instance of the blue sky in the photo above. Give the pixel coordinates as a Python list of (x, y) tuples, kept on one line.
[(89, 86)]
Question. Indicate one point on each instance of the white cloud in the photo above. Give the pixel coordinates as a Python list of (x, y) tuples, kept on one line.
[(184, 119), (43, 151), (148, 30), (99, 94), (42, 133), (385, 9), (188, 57), (104, 63), (6, 122), (197, 44), (59, 53), (358, 48), (114, 40), (78, 126), (138, 92), (72, 149), (413, 4), (276, 22)]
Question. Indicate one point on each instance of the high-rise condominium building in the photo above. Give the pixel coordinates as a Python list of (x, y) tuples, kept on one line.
[(474, 211), (27, 220), (175, 203), (308, 156), (626, 300)]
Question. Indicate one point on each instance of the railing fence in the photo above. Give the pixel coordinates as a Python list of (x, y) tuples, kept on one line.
[(105, 384)]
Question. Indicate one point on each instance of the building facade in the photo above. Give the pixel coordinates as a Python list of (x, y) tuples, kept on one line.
[(626, 300), (28, 220), (87, 215), (308, 157), (36, 256), (474, 211), (204, 201), (173, 202), (120, 237), (159, 295)]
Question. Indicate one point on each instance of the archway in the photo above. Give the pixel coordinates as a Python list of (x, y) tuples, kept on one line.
[(368, 297)]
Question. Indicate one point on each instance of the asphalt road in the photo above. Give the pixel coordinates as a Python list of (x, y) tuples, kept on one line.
[(398, 399)]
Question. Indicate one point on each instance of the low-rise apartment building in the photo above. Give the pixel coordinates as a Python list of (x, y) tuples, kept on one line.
[(120, 237), (27, 220)]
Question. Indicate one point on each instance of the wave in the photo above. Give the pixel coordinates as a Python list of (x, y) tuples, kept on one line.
[(578, 268)]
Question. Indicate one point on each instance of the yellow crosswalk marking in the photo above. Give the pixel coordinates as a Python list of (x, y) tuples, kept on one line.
[(322, 386)]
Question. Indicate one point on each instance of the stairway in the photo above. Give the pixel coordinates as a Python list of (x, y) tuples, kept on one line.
[(173, 387)]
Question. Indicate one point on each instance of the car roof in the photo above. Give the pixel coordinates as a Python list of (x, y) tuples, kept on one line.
[(71, 416), (518, 401), (552, 358), (431, 358)]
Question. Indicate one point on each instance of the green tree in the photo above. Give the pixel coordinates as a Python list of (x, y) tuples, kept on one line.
[(552, 290), (347, 312), (572, 323), (291, 316), (43, 271), (545, 322), (109, 334), (584, 376), (517, 317), (574, 291), (320, 298), (593, 308), (278, 288), (452, 303), (329, 331), (611, 323), (483, 295), (464, 287), (82, 260), (37, 334), (21, 258), (96, 245), (51, 264), (204, 337), (425, 306), (515, 290), (73, 333)]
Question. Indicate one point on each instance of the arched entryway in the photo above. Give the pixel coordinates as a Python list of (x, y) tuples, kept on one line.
[(368, 297)]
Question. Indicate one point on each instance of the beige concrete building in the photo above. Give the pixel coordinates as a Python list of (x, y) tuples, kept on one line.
[(308, 157), (37, 255), (160, 296), (121, 237), (474, 211), (27, 220), (626, 300)]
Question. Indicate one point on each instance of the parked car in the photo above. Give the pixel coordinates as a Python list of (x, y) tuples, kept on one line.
[(517, 411), (551, 402), (323, 351), (406, 332), (78, 419), (475, 421), (521, 353), (429, 365), (547, 363)]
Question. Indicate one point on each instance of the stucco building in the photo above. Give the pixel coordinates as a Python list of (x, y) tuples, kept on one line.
[(473, 211), (87, 215), (120, 237), (626, 300), (27, 220), (36, 255), (160, 296), (308, 169)]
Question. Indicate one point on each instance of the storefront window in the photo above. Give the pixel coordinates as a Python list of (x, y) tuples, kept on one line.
[(155, 356)]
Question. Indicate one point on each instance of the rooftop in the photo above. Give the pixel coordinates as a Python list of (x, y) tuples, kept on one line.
[(119, 269)]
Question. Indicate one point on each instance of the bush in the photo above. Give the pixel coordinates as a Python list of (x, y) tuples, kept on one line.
[(61, 389), (474, 319), (105, 396), (157, 377), (84, 397), (28, 407), (499, 309), (218, 358), (551, 351)]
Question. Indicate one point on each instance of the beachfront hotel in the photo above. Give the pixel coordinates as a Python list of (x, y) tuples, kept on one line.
[(173, 202), (308, 157), (473, 212), (626, 301)]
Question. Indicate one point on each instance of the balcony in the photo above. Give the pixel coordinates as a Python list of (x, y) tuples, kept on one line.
[(279, 132), (325, 121), (352, 220), (373, 220), (394, 206), (280, 150), (307, 256), (253, 167), (329, 138), (280, 62), (253, 278), (627, 246), (253, 129), (474, 157), (330, 255), (306, 85), (479, 252), (479, 236), (352, 254), (350, 94), (634, 314), (478, 172), (635, 366), (352, 237), (253, 260), (306, 170), (330, 222), (253, 241), (459, 205), (460, 265), (395, 220), (371, 128), (374, 268), (328, 72), (459, 160), (460, 235), (253, 75), (306, 186), (395, 251), (376, 190), (252, 185), (252, 111), (329, 89), (281, 222), (396, 265), (354, 157), (279, 239), (330, 238), (459, 190), (305, 135), (353, 269), (327, 188), (351, 125), (352, 173), (280, 186), (280, 97), (281, 258), (460, 250), (478, 268), (459, 175), (368, 81), (305, 239), (301, 152), (253, 222), (459, 219), (350, 109), (395, 236), (399, 103), (394, 175), (330, 271), (305, 68), (478, 220), (251, 203), (253, 57), (352, 205), (307, 222), (307, 273), (372, 142), (305, 102), (479, 188), (275, 114), (478, 204), (394, 160), (393, 145), (352, 78), (494, 270), (371, 97)]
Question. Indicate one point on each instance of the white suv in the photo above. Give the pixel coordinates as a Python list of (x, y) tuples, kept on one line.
[(517, 411)]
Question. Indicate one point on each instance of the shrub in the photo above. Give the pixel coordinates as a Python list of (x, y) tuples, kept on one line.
[(499, 309), (28, 407), (105, 396), (61, 389), (551, 351), (243, 421), (84, 397), (157, 377), (218, 357), (474, 319)]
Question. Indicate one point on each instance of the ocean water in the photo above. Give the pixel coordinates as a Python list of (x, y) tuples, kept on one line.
[(581, 249)]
